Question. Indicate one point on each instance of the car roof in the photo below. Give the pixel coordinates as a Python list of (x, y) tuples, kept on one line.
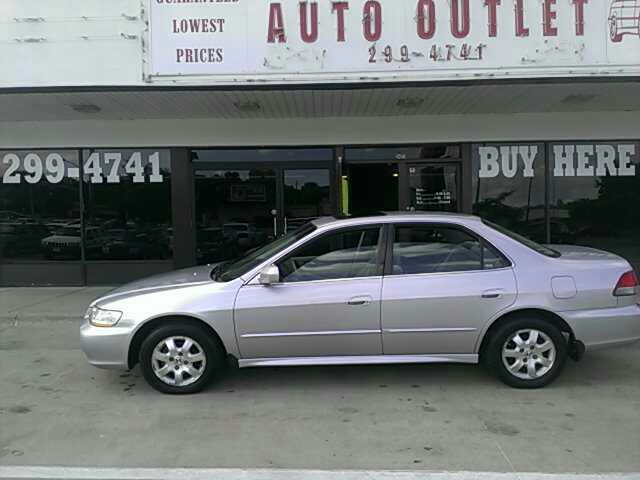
[(389, 217)]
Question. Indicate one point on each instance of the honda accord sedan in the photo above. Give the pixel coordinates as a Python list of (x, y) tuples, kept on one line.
[(397, 288)]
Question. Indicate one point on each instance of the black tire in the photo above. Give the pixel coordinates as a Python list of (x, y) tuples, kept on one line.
[(505, 332), (213, 351)]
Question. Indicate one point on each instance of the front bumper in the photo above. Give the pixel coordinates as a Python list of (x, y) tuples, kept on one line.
[(607, 327), (106, 347)]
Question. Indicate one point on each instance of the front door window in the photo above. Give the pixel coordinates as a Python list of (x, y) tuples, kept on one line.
[(434, 187), (344, 254)]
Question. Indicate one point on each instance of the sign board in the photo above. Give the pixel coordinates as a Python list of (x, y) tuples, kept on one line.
[(31, 167), (583, 159), (262, 41)]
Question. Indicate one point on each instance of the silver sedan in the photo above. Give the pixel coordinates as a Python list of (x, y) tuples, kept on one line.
[(400, 288)]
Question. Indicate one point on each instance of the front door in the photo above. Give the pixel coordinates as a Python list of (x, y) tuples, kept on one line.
[(240, 209), (327, 302), (433, 186)]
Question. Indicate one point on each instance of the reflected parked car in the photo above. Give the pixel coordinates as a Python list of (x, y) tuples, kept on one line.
[(20, 238), (130, 244), (214, 245), (246, 234), (624, 19), (65, 242), (400, 288)]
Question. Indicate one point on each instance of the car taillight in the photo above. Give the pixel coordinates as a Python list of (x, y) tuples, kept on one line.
[(627, 285)]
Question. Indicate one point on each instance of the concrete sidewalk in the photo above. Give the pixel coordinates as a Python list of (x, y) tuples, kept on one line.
[(46, 303)]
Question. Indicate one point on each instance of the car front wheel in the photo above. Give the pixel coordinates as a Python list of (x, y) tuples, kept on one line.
[(527, 352), (180, 358)]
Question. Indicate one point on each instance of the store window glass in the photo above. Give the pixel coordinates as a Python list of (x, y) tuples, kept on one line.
[(509, 187), (594, 191), (127, 196), (39, 205)]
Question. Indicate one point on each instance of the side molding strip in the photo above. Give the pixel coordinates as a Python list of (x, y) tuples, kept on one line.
[(358, 360)]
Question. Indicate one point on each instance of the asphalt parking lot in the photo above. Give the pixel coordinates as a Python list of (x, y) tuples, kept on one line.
[(55, 409)]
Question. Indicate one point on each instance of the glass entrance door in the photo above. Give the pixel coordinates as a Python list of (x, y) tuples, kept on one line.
[(433, 187), (238, 210), (307, 195)]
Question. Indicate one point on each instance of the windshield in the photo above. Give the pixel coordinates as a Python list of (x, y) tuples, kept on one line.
[(549, 252), (232, 270)]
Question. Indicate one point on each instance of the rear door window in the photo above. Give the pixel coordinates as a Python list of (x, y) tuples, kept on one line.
[(419, 249)]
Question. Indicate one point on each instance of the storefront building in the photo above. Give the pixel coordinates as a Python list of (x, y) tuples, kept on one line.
[(141, 136)]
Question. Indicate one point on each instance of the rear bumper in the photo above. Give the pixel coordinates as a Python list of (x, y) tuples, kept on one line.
[(105, 347), (607, 327)]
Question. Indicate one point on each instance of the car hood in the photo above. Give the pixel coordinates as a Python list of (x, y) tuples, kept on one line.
[(178, 278)]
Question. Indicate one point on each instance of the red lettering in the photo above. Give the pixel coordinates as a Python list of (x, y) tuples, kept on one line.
[(372, 20), (426, 19), (308, 37), (549, 16), (492, 6), (579, 4), (521, 30), (276, 24), (457, 30), (338, 8)]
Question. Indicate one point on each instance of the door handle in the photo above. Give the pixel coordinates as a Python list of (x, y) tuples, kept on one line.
[(495, 293), (359, 301)]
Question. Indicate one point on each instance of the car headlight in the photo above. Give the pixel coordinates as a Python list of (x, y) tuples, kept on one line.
[(99, 317)]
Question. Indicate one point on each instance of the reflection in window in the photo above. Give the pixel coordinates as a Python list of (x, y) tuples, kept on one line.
[(306, 196), (597, 205), (39, 205), (423, 249), (509, 187), (234, 212), (127, 194), (346, 254)]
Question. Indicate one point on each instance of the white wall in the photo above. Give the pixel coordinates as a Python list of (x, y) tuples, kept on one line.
[(64, 57), (322, 131)]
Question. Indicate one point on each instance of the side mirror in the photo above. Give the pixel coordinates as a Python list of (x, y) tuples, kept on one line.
[(269, 275)]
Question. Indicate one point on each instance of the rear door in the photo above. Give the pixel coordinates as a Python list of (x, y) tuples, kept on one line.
[(442, 284)]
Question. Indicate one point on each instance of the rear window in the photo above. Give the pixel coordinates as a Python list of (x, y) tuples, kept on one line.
[(542, 249)]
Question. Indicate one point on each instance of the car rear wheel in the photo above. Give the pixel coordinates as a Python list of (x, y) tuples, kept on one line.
[(180, 358), (527, 352)]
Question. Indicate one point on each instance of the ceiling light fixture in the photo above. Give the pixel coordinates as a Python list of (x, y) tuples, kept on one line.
[(86, 108), (410, 102), (578, 98), (250, 106)]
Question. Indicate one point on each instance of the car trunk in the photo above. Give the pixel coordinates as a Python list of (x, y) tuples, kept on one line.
[(597, 275)]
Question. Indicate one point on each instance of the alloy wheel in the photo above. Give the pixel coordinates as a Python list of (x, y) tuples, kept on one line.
[(528, 354), (178, 361)]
